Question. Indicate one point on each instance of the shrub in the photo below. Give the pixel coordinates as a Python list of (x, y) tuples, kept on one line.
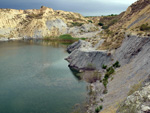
[(100, 107), (105, 27), (112, 22), (97, 110), (90, 21), (101, 100), (105, 82), (65, 36), (104, 66), (77, 24), (144, 27), (116, 64), (100, 24), (113, 15), (110, 71)]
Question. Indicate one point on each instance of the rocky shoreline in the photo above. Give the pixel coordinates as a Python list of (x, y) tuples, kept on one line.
[(133, 51)]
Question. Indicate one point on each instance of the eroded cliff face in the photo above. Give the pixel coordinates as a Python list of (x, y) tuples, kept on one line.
[(44, 22), (138, 102), (133, 55), (128, 22)]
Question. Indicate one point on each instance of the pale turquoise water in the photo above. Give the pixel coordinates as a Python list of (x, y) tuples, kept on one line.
[(35, 78)]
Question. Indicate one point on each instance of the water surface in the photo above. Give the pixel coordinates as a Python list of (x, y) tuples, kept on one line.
[(35, 78)]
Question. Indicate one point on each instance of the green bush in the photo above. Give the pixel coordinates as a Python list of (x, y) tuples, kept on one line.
[(110, 70), (77, 24), (101, 100), (113, 15), (144, 27), (116, 64), (105, 27), (97, 110), (90, 21), (105, 82), (104, 66), (100, 24), (100, 107), (66, 36)]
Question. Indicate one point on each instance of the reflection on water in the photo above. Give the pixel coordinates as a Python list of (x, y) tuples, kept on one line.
[(76, 73), (35, 78), (49, 43)]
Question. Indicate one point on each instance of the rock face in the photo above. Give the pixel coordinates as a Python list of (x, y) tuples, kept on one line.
[(44, 22), (134, 49), (139, 102), (84, 57), (78, 45), (134, 57)]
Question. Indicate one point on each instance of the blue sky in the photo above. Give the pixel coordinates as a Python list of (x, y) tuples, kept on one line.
[(84, 7)]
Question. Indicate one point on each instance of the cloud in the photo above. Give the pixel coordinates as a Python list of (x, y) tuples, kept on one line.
[(85, 7)]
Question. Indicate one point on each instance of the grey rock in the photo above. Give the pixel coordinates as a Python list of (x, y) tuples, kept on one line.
[(84, 31), (137, 102), (88, 59), (83, 56), (145, 108), (78, 44)]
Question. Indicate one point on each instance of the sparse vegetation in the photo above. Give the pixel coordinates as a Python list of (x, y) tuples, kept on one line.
[(100, 24), (66, 37), (77, 24), (98, 109), (135, 88), (116, 64), (90, 21), (101, 100), (145, 27), (112, 22), (109, 71), (37, 16), (104, 66)]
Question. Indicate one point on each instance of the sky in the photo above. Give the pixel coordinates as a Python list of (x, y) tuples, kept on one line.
[(84, 7)]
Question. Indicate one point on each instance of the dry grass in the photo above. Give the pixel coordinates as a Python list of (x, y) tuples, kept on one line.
[(111, 109), (1, 36), (134, 88)]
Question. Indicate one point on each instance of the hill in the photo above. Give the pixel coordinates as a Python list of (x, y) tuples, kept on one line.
[(44, 22)]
